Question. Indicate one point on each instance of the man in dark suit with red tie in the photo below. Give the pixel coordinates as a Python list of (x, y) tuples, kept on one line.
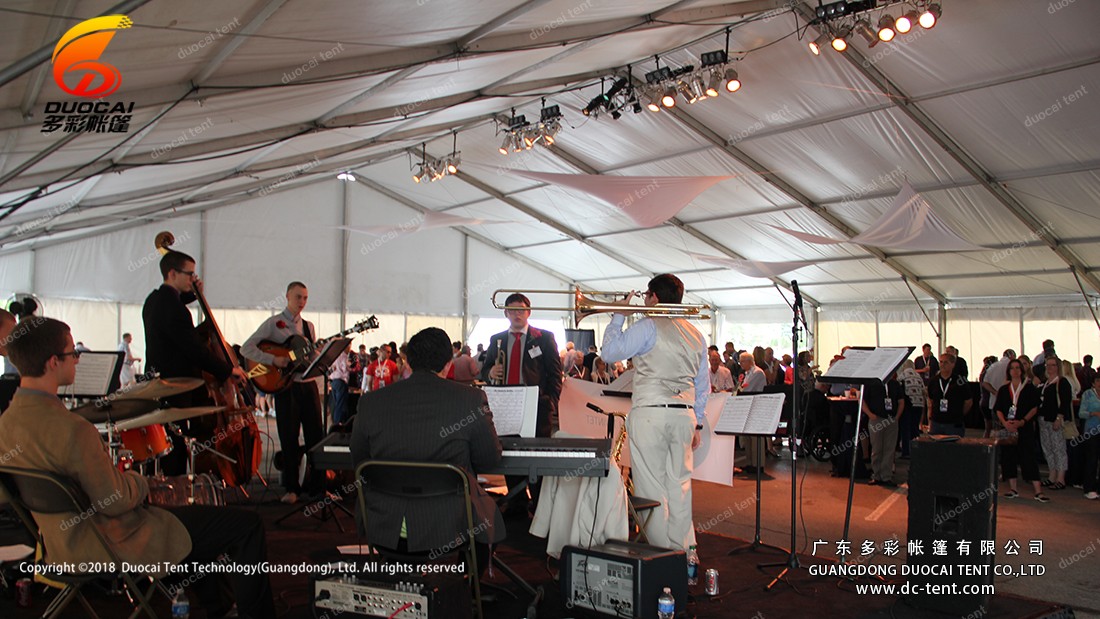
[(530, 358)]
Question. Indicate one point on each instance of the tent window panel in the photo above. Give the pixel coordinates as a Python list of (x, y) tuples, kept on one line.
[(913, 334), (989, 338), (1065, 334), (833, 336), (93, 322), (747, 335)]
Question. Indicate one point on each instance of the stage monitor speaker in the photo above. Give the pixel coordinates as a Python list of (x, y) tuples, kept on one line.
[(622, 579), (952, 505)]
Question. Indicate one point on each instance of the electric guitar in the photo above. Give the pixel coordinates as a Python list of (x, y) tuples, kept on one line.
[(298, 351)]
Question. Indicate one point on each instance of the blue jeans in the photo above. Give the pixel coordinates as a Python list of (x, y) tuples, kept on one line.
[(948, 428), (339, 400)]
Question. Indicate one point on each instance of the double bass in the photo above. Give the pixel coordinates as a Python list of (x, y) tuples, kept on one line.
[(232, 432)]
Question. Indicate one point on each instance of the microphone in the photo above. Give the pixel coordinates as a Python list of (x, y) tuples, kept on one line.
[(595, 408), (797, 294), (610, 418)]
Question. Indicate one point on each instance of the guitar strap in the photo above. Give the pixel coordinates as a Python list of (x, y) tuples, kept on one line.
[(305, 330)]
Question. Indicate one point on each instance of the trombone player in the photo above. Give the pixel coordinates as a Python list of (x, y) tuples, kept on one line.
[(670, 356), (526, 355)]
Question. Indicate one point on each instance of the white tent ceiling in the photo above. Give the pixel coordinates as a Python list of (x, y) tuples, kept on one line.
[(243, 95)]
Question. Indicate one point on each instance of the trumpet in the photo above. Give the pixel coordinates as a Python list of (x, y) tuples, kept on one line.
[(584, 305)]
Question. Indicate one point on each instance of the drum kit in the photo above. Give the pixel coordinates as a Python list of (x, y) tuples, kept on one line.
[(136, 428)]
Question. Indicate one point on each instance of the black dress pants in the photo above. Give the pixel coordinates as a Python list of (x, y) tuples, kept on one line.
[(298, 407), (239, 535)]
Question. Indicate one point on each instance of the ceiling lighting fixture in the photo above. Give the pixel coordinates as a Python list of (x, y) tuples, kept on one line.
[(668, 99), (904, 23), (840, 42), (733, 84), (863, 28), (817, 44), (346, 176), (886, 29), (930, 16)]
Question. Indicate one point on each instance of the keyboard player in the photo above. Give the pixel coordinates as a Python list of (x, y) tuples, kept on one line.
[(427, 418)]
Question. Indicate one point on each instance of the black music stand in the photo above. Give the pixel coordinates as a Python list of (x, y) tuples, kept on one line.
[(862, 365), (759, 465), (798, 322)]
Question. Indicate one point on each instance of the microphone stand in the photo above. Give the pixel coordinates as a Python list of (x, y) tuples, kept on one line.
[(792, 562)]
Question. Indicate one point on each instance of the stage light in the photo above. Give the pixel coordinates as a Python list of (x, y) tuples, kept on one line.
[(668, 99), (506, 145), (886, 29), (711, 59), (715, 84), (904, 23), (817, 44), (733, 84), (452, 164), (839, 41), (930, 16), (698, 89), (419, 175), (863, 28), (685, 90), (550, 131), (653, 99)]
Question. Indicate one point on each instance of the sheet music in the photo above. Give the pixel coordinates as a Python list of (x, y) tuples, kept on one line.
[(515, 409), (756, 414), (94, 374), (877, 363)]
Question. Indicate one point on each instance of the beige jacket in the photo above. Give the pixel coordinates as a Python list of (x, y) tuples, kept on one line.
[(38, 432)]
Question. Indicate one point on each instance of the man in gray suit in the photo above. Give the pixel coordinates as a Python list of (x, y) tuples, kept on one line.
[(427, 418)]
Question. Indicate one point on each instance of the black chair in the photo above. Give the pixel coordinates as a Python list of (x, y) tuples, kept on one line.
[(419, 480), (46, 493)]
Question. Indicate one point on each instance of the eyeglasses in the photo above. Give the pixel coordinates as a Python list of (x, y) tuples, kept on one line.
[(75, 354), (187, 273)]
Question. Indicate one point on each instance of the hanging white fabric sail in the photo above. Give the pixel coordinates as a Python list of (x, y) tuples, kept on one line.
[(753, 268), (647, 200), (909, 224)]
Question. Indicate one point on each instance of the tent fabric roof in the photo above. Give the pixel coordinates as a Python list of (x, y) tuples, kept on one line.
[(991, 115)]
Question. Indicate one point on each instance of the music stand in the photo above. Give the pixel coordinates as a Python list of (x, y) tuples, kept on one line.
[(768, 415), (862, 365), (330, 352), (96, 375)]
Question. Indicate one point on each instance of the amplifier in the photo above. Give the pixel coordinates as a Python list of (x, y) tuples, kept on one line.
[(622, 579), (375, 593)]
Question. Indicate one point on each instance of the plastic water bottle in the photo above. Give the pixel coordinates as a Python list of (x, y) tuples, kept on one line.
[(666, 605), (693, 566), (181, 606)]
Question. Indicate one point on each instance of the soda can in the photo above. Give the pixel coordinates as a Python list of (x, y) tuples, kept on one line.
[(711, 581), (23, 593)]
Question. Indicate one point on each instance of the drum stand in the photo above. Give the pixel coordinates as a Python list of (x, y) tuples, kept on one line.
[(194, 447)]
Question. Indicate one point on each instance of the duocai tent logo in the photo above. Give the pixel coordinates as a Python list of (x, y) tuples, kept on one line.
[(78, 52), (77, 69)]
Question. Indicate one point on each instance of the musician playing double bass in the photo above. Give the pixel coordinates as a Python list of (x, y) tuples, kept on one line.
[(298, 406), (173, 346)]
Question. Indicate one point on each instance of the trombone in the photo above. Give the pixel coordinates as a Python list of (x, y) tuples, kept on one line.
[(584, 305)]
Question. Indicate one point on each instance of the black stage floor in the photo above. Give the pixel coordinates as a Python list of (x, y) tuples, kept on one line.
[(301, 540)]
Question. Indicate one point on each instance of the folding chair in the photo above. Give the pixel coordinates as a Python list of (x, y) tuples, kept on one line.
[(418, 480), (46, 493)]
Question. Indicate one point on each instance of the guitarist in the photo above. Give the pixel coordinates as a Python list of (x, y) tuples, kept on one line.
[(298, 406)]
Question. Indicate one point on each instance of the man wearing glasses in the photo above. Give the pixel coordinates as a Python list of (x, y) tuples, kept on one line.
[(173, 347), (37, 432)]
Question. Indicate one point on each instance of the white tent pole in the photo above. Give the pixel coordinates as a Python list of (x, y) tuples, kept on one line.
[(465, 288), (345, 235)]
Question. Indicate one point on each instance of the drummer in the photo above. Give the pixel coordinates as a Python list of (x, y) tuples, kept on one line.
[(37, 432)]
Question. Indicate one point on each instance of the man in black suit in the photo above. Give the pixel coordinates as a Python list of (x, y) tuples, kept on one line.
[(173, 347), (427, 418), (530, 358)]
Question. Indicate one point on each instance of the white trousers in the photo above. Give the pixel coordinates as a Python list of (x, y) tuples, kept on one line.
[(661, 462)]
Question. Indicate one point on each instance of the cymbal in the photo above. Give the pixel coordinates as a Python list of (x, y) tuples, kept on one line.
[(167, 415), (159, 388), (102, 411)]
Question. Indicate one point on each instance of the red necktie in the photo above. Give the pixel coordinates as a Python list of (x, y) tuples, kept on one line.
[(515, 360)]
